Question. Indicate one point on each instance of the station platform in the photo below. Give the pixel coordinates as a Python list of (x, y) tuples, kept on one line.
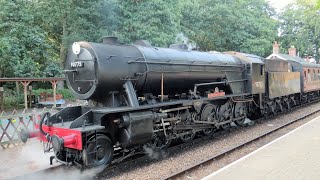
[(295, 155), (23, 160)]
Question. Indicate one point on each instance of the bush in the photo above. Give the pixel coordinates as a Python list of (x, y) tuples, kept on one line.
[(37, 92), (11, 100), (66, 93)]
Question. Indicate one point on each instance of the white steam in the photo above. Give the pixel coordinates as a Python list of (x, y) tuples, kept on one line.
[(181, 38), (154, 154), (29, 161)]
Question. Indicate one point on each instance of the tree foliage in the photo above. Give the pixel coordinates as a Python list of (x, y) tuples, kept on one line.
[(34, 34), (67, 21), (155, 20), (24, 47), (241, 25), (300, 26)]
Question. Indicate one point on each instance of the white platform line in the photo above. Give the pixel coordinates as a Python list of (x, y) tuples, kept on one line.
[(257, 150)]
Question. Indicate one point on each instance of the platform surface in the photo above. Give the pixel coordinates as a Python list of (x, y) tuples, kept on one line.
[(295, 155), (24, 159)]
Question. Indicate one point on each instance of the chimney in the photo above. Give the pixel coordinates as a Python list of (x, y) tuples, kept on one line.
[(110, 40), (307, 59), (292, 51), (276, 47)]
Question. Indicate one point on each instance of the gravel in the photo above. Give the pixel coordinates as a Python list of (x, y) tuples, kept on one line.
[(188, 156), (215, 165)]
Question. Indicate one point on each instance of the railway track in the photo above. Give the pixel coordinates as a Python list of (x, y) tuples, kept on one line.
[(177, 174)]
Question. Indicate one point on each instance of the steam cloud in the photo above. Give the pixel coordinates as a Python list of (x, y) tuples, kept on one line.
[(28, 162), (154, 154), (181, 38)]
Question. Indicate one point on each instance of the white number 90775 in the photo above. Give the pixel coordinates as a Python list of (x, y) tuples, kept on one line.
[(77, 64)]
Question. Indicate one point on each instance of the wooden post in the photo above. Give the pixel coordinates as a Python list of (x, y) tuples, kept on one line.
[(25, 92), (1, 99), (17, 88), (30, 96), (54, 87)]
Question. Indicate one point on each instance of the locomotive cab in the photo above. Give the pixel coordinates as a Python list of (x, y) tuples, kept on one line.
[(255, 72)]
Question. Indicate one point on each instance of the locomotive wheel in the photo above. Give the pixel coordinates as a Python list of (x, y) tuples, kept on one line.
[(240, 122), (160, 142), (208, 113), (99, 151), (226, 126), (210, 131), (187, 137), (225, 114), (239, 111)]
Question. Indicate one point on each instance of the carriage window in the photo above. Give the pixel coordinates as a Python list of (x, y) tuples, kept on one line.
[(261, 70), (309, 75), (305, 74), (248, 69), (289, 67)]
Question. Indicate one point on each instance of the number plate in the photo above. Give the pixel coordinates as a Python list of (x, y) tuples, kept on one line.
[(77, 64)]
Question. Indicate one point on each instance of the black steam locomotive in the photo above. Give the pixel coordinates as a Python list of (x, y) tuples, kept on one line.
[(142, 95)]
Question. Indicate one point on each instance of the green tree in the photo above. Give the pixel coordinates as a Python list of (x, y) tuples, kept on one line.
[(34, 35), (23, 44), (157, 21), (67, 21), (53, 69), (300, 26), (224, 25)]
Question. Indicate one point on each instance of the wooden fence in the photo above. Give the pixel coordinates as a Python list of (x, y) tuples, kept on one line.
[(12, 123)]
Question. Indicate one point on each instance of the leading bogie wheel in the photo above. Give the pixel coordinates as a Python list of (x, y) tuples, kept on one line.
[(99, 151)]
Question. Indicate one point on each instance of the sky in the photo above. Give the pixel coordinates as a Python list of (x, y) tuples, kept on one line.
[(279, 4)]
